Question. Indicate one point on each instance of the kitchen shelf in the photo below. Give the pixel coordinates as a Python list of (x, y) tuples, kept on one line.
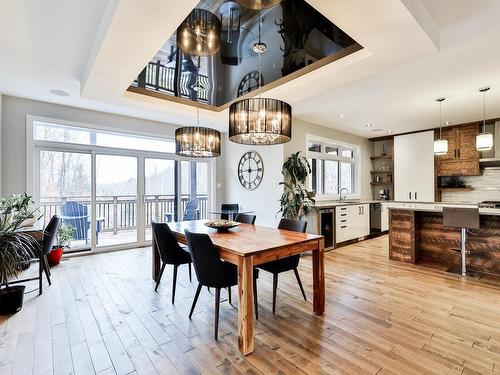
[(381, 157), (381, 183), (381, 172)]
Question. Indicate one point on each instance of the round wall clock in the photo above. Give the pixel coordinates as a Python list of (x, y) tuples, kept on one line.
[(250, 170), (249, 83)]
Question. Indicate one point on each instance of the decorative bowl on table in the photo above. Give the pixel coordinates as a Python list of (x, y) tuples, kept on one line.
[(221, 225)]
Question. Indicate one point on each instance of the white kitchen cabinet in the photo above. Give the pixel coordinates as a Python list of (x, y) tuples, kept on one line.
[(384, 220), (351, 222), (414, 167)]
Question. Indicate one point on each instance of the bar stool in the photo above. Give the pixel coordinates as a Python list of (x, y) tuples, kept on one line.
[(463, 218)]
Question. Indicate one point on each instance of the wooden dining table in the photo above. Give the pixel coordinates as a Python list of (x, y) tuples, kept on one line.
[(247, 246)]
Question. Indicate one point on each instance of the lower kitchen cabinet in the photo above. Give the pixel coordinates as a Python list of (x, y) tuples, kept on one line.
[(351, 222)]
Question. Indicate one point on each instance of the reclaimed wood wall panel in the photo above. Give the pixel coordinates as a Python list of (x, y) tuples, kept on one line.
[(402, 236)]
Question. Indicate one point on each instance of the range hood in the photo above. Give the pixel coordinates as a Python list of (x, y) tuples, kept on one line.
[(492, 158)]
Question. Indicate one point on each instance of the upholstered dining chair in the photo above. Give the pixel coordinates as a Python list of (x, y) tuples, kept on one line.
[(286, 264), (245, 219), (170, 253), (234, 207)]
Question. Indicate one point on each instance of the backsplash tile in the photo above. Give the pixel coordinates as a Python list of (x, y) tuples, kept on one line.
[(486, 188)]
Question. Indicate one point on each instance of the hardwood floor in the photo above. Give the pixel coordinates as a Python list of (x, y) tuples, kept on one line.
[(101, 315)]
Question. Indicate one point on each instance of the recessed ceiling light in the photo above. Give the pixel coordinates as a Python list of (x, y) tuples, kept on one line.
[(447, 122), (59, 92), (389, 132), (341, 115), (369, 125)]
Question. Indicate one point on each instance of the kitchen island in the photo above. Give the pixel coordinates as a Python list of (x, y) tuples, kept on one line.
[(417, 235)]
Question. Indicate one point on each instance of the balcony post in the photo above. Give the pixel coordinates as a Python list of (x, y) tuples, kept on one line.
[(115, 216)]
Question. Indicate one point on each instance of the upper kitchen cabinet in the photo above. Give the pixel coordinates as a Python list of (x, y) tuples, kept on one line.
[(462, 158), (414, 167)]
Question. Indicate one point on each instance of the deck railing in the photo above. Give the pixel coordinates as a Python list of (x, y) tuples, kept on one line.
[(120, 212)]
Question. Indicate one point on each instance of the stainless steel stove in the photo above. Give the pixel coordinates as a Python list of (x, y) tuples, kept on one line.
[(489, 204)]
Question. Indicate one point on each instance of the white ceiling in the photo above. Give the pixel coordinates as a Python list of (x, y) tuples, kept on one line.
[(415, 51)]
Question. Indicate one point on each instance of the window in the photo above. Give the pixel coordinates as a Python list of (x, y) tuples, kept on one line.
[(334, 168)]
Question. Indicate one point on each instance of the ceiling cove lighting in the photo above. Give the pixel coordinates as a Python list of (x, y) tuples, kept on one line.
[(440, 145), (257, 4), (197, 141), (199, 33), (260, 121), (484, 141)]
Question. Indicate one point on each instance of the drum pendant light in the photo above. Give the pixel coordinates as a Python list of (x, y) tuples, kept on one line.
[(260, 121), (440, 145), (484, 141), (197, 141), (199, 34)]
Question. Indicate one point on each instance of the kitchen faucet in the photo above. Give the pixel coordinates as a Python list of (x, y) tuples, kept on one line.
[(341, 190)]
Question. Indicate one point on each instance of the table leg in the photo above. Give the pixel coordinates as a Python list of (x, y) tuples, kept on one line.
[(245, 305), (319, 278), (155, 261)]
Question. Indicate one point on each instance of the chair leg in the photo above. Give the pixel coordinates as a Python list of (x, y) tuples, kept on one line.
[(189, 265), (300, 283), (46, 269), (40, 274), (160, 275), (196, 295), (256, 306), (229, 295), (174, 282), (217, 305), (47, 264), (275, 287)]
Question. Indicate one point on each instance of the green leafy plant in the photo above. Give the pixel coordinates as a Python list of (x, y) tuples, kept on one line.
[(16, 247), (295, 201), (64, 236)]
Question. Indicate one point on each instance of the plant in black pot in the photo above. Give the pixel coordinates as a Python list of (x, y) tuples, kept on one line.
[(16, 250), (296, 201)]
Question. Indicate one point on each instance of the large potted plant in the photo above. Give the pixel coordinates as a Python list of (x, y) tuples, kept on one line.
[(63, 240), (18, 205), (296, 201), (16, 249)]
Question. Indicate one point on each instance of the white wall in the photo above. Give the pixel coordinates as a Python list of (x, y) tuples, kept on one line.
[(264, 200)]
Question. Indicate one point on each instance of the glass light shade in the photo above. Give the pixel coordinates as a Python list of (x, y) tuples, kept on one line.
[(484, 141), (440, 147), (257, 4), (197, 142), (260, 121), (199, 34)]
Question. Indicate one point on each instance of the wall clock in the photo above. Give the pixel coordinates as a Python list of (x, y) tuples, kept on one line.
[(249, 83), (250, 170)]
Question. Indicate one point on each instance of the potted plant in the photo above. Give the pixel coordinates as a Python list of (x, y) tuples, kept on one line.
[(18, 204), (63, 239), (296, 201), (16, 249)]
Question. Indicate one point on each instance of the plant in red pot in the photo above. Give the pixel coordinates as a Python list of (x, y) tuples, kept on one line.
[(63, 241)]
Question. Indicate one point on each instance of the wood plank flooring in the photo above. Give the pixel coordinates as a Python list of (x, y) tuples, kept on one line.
[(102, 316)]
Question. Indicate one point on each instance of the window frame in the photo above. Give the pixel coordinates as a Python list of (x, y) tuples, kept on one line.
[(355, 161)]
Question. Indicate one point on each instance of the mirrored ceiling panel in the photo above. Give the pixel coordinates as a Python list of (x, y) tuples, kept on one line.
[(298, 39)]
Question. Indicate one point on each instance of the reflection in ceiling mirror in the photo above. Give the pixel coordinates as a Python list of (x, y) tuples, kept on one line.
[(295, 33)]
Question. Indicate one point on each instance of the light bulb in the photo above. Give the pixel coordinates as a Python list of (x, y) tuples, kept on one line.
[(243, 116), (262, 114)]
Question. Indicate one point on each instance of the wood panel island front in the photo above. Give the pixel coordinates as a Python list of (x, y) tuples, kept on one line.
[(417, 235)]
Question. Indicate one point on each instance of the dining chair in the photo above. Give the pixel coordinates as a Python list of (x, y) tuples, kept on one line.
[(170, 253), (211, 271), (234, 207), (245, 219), (286, 264), (49, 239)]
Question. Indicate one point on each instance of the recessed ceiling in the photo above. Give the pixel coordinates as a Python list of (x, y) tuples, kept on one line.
[(414, 51)]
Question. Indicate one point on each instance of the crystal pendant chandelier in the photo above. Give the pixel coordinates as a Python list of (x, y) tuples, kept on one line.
[(440, 145), (199, 34), (197, 141), (484, 141), (260, 121), (257, 4)]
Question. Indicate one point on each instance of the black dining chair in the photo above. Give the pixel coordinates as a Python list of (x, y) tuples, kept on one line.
[(170, 252), (286, 264), (211, 271), (234, 207), (49, 239), (245, 219)]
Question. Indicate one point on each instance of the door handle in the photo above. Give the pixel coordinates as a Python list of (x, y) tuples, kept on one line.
[(458, 153), (343, 226), (415, 195), (409, 194)]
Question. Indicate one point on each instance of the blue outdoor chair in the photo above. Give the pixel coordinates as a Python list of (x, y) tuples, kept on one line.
[(76, 215), (191, 212)]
